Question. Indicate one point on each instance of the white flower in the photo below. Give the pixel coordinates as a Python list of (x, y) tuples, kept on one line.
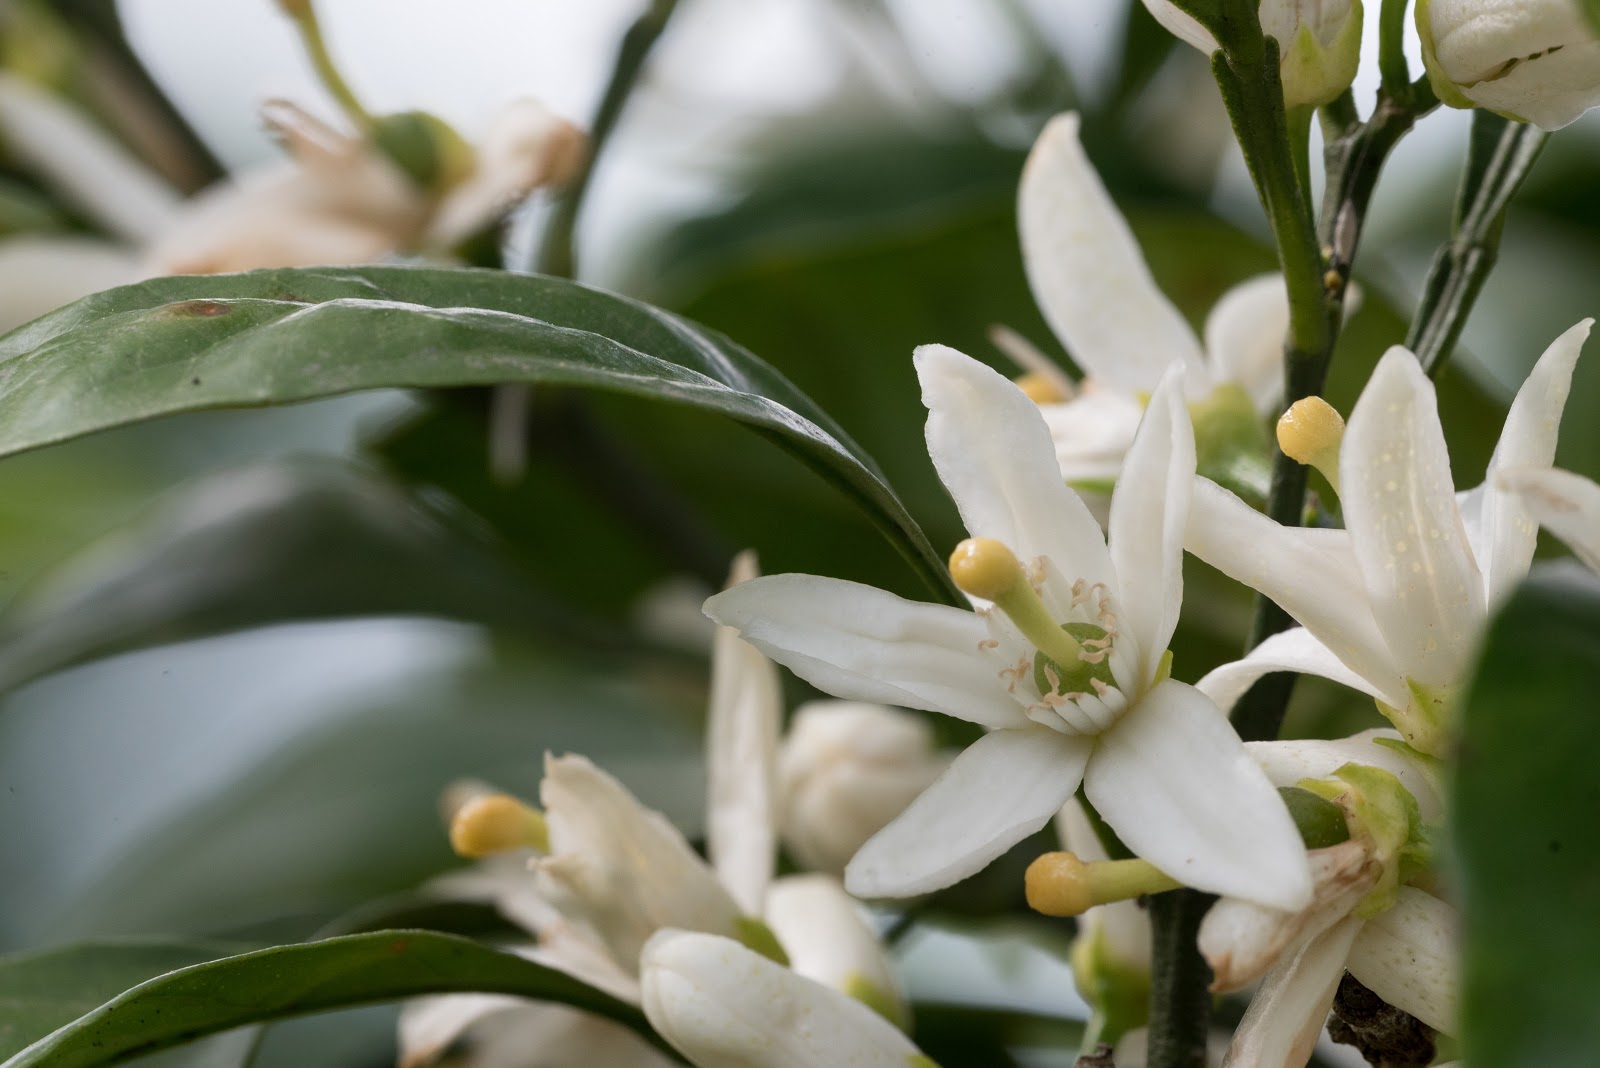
[(845, 769), (1319, 42), (1536, 61), (1394, 604), (1156, 758), (1094, 288), (1565, 504), (828, 941), (722, 1006)]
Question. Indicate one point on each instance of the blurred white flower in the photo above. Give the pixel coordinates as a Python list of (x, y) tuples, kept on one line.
[(1094, 288), (1535, 61), (828, 941), (1319, 43), (1067, 666), (1392, 605), (845, 769), (722, 1006), (337, 199)]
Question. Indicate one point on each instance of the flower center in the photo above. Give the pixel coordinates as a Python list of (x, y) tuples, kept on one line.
[(1090, 672)]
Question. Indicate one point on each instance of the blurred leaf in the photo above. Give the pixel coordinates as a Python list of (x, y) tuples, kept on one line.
[(24, 210), (285, 981), (1527, 843), (1591, 11), (42, 991), (275, 337), (288, 540)]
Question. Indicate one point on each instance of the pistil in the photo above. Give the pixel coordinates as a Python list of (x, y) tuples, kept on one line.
[(1059, 884), (497, 823), (1310, 433), (986, 568)]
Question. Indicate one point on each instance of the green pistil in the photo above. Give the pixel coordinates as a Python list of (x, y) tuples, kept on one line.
[(1073, 676)]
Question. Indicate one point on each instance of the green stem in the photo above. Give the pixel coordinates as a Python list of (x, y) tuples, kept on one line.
[(1492, 177), (305, 20), (1180, 1004), (1391, 48), (556, 254)]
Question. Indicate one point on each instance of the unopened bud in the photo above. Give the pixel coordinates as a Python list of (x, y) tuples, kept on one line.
[(425, 147), (497, 823), (1310, 433)]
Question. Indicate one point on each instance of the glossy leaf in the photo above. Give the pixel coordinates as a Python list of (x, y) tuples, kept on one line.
[(286, 981), (42, 991), (1525, 799), (276, 337)]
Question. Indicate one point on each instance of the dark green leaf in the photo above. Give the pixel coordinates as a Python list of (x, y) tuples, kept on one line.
[(1528, 844), (289, 540), (276, 337), (284, 981), (42, 991)]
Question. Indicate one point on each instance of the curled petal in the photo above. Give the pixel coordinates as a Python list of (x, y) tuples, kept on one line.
[(1281, 1026), (1287, 762), (1407, 956), (1088, 275), (1424, 587), (1001, 789), (1175, 783), (1528, 441), (1311, 573), (1291, 650), (858, 642)]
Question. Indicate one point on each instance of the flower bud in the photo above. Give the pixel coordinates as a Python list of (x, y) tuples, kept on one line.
[(1319, 43), (1535, 61), (829, 941), (844, 771), (720, 1004)]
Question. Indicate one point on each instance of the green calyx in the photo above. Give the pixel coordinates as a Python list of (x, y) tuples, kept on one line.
[(1231, 444), (1378, 807), (425, 147), (1321, 823), (755, 935), (1075, 677), (1314, 74), (1425, 720), (1118, 991)]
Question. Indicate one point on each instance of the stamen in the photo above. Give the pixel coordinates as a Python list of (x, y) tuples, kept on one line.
[(1310, 433), (1059, 884), (988, 569), (496, 823)]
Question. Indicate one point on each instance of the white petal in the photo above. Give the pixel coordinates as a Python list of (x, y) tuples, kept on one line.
[(100, 177), (1400, 507), (994, 454), (1290, 1007), (1244, 339), (1287, 762), (742, 768), (1175, 783), (1291, 650), (527, 147), (1528, 441), (1005, 786), (1408, 956), (723, 1006), (1181, 25), (828, 940), (1149, 511), (428, 1026), (1565, 504), (1312, 574), (1092, 434), (40, 274), (1088, 276), (623, 868), (861, 643)]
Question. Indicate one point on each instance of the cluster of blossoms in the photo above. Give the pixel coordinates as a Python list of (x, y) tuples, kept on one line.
[(1080, 499)]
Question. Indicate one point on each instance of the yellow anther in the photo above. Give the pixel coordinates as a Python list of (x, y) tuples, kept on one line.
[(495, 823), (1059, 884), (985, 568), (1041, 389), (1309, 433)]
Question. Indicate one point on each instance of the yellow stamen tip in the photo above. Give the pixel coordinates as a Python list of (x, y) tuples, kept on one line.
[(1041, 389), (1310, 431), (985, 568), (496, 823), (1057, 884)]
